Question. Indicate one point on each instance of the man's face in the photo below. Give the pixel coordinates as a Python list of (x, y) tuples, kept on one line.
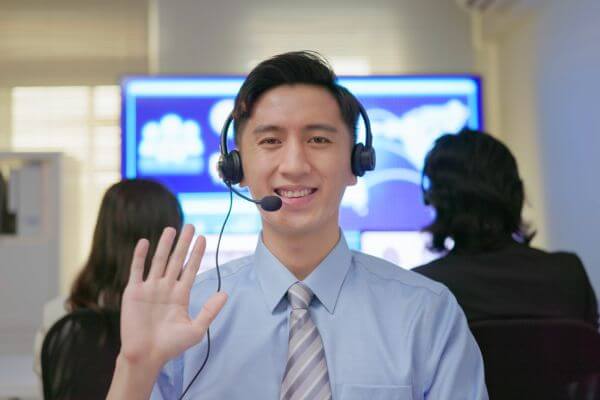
[(295, 145)]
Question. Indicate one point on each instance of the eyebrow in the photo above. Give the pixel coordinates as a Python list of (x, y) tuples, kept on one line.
[(321, 127), (311, 127), (266, 128)]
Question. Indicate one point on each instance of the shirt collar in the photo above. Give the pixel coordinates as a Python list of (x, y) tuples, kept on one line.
[(325, 281)]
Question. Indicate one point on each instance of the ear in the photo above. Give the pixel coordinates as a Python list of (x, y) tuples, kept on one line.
[(243, 182), (352, 180)]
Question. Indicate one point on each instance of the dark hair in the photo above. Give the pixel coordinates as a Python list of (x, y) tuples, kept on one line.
[(475, 188), (130, 210), (298, 67)]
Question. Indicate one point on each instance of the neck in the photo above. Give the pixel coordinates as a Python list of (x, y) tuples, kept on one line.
[(301, 253)]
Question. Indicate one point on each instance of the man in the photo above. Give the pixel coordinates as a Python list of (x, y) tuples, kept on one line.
[(306, 317), (477, 193)]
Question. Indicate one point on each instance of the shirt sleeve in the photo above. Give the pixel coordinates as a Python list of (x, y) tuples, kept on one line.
[(168, 385), (454, 366)]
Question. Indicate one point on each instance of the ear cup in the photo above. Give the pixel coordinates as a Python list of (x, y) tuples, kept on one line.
[(230, 167), (363, 159), (367, 159)]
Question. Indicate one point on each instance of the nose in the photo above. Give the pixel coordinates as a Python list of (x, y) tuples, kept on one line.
[(294, 161)]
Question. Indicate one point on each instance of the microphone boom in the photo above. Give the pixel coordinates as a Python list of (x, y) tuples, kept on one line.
[(267, 203)]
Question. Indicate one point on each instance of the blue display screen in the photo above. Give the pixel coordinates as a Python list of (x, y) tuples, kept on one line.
[(171, 129)]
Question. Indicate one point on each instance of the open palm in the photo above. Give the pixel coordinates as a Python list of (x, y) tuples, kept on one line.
[(155, 324)]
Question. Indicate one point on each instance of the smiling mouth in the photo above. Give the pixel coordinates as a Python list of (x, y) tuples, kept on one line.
[(294, 194)]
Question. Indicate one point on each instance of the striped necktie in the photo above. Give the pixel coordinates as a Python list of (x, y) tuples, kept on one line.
[(306, 375)]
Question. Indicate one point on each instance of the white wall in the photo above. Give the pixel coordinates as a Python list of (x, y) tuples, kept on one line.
[(77, 45), (391, 36), (30, 259), (71, 42), (568, 85), (547, 75), (518, 122), (5, 118)]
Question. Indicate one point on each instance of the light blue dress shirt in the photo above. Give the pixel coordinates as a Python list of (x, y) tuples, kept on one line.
[(388, 333)]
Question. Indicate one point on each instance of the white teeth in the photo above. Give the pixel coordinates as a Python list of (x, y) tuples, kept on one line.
[(295, 193)]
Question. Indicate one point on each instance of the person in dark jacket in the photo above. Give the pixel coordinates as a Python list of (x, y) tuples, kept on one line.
[(472, 182)]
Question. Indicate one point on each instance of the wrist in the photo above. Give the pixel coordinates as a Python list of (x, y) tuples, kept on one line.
[(132, 366), (133, 380)]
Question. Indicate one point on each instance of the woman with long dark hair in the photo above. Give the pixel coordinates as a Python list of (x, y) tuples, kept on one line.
[(130, 210)]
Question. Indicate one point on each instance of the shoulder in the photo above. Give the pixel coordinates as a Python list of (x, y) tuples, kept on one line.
[(54, 310), (566, 257), (229, 270), (416, 297), (521, 249), (570, 265), (382, 272), (562, 261), (436, 266)]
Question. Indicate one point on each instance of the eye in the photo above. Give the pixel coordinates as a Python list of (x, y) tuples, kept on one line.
[(269, 141), (319, 140)]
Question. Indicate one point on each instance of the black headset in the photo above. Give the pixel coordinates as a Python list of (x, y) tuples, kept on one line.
[(362, 159)]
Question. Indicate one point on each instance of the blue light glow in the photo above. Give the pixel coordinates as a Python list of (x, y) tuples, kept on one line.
[(407, 114)]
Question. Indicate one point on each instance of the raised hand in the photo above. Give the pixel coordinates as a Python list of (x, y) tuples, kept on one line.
[(155, 324)]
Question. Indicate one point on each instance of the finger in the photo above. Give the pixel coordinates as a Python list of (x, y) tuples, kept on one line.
[(163, 249), (193, 264), (209, 311), (136, 272), (178, 257)]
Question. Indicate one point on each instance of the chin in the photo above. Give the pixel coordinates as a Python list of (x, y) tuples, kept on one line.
[(293, 229), (297, 224)]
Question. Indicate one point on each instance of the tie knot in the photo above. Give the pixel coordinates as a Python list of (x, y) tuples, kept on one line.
[(299, 295)]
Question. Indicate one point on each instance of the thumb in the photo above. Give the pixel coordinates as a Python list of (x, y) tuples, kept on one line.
[(209, 311)]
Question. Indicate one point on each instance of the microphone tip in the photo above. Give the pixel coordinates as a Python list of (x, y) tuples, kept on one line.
[(271, 203)]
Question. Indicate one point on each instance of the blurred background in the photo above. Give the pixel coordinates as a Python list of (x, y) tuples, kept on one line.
[(62, 64)]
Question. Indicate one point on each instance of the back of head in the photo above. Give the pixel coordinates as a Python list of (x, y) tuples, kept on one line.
[(299, 67), (475, 188), (130, 210)]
